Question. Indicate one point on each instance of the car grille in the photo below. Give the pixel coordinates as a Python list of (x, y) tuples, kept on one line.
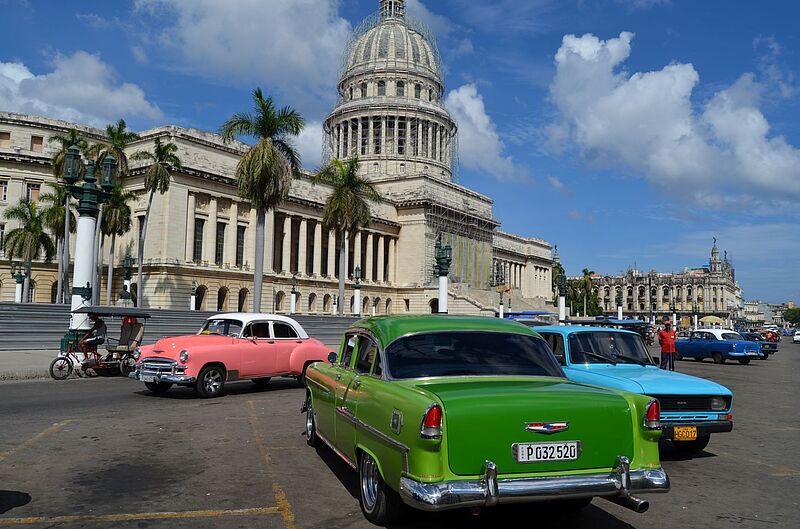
[(688, 402), (158, 366)]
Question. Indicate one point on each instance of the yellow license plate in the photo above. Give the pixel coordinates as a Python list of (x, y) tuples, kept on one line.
[(684, 433)]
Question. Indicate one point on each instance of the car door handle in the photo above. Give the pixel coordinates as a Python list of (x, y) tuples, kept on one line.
[(356, 383)]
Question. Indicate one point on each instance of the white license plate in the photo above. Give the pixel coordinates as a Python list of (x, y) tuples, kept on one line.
[(554, 451), (147, 378)]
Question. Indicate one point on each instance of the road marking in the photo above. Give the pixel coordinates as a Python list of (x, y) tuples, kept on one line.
[(283, 506), (170, 515), (259, 437), (53, 429)]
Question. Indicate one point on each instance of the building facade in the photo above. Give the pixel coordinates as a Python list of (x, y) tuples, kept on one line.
[(710, 290), (390, 114)]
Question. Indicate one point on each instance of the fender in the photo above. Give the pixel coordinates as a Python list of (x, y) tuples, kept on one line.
[(310, 350)]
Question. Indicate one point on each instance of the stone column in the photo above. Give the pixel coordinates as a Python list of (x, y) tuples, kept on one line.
[(408, 151), (250, 247), (392, 278), (383, 136), (370, 263), (381, 260), (340, 141), (286, 258), (190, 228), (302, 245), (359, 131), (332, 254), (419, 136), (357, 253), (269, 241), (346, 255), (231, 235), (371, 138), (430, 139), (317, 249), (210, 236)]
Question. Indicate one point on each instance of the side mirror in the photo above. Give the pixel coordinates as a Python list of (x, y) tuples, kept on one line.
[(332, 357)]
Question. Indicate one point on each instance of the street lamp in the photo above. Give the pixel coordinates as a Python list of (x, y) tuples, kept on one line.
[(19, 278), (357, 289), (293, 299), (695, 312), (444, 256), (192, 296), (672, 309), (498, 281), (561, 282), (619, 304), (72, 169)]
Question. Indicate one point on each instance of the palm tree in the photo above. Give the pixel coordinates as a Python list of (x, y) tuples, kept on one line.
[(116, 221), (266, 170), (66, 141), (586, 287), (347, 208), (30, 239), (54, 215), (162, 161)]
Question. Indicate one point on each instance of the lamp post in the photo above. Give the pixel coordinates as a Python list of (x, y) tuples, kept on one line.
[(72, 166), (375, 306), (562, 299), (90, 197), (335, 305), (498, 281), (127, 266), (357, 291), (674, 315), (619, 304), (293, 299), (19, 279), (192, 296), (444, 256), (694, 314)]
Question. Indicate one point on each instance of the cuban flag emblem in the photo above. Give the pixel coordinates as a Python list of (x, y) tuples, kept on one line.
[(546, 427)]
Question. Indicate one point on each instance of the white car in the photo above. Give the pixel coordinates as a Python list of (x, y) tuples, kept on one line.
[(796, 337)]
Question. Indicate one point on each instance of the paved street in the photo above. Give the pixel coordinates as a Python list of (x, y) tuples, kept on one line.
[(99, 453)]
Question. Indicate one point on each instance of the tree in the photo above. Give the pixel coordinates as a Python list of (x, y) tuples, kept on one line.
[(30, 240), (792, 315), (558, 270), (65, 141), (116, 221), (347, 208), (157, 178), (53, 216), (266, 170)]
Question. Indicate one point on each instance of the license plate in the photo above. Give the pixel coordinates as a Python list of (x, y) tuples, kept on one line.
[(684, 433), (538, 452), (147, 378)]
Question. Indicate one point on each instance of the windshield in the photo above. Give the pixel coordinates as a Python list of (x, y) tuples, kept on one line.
[(732, 336), (607, 347), (223, 327), (470, 353)]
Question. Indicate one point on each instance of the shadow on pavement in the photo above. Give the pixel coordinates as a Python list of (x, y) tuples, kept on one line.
[(11, 499), (667, 452), (243, 387)]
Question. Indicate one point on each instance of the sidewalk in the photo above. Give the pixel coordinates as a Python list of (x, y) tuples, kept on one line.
[(21, 365)]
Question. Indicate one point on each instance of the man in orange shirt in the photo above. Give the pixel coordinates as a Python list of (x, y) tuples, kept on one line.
[(666, 338)]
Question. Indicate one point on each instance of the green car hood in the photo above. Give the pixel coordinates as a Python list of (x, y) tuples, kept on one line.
[(484, 418)]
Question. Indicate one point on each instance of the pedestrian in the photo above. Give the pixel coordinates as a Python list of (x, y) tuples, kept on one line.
[(666, 339)]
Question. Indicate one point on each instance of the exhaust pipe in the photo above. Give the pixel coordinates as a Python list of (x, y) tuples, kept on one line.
[(631, 502)]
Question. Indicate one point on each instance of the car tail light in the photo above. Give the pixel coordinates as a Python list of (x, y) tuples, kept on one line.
[(431, 427), (652, 417)]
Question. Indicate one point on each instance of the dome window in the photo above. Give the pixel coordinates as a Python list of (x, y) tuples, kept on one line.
[(402, 168), (375, 168), (363, 89), (417, 91), (381, 88), (430, 94), (351, 93), (401, 89)]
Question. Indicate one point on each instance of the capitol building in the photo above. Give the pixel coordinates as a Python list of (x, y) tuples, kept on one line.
[(390, 114)]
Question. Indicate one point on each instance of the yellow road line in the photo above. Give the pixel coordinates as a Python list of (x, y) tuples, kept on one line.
[(259, 437), (33, 520), (283, 506), (53, 429)]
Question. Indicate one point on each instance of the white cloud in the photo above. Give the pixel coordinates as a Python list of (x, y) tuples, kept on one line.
[(309, 145), (480, 147), (439, 24), (719, 156), (139, 55), (290, 46), (558, 185), (80, 88)]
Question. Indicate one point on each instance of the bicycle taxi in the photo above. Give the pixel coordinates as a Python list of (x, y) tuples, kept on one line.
[(113, 355)]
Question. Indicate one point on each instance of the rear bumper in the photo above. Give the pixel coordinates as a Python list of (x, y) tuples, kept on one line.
[(703, 427), (617, 486)]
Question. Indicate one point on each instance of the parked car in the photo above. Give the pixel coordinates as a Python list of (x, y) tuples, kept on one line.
[(767, 347), (796, 337), (718, 344), (229, 347), (444, 412), (692, 408)]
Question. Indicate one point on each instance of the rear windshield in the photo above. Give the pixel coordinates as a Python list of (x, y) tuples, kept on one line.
[(470, 354), (732, 336), (607, 347), (225, 327)]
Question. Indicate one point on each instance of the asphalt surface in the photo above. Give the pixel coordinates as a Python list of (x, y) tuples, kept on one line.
[(102, 453)]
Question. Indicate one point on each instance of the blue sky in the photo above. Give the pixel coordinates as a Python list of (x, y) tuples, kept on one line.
[(628, 132)]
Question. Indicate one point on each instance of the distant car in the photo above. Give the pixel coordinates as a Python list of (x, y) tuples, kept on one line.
[(228, 347), (719, 345), (796, 337), (767, 348), (692, 408)]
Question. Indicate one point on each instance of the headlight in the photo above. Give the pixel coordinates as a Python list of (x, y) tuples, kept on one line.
[(718, 404), (184, 356), (137, 353)]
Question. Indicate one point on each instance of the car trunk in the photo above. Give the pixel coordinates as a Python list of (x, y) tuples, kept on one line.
[(483, 419)]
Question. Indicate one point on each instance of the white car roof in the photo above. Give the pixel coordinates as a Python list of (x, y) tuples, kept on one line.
[(717, 332), (247, 317)]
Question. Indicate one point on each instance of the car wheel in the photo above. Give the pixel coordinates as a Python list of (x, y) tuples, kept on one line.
[(380, 504), (744, 361), (211, 382), (261, 382), (718, 358), (60, 368), (311, 425), (159, 388), (126, 365), (692, 447), (302, 378)]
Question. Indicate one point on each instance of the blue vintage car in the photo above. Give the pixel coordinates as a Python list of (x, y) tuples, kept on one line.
[(719, 345), (767, 347), (692, 408)]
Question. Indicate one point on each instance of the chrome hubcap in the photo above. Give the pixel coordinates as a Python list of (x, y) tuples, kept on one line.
[(369, 483), (212, 381), (309, 421)]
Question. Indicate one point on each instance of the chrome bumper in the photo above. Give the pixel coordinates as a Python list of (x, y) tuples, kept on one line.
[(173, 379), (161, 370), (616, 486)]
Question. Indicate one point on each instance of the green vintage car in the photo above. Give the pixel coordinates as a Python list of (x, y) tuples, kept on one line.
[(444, 412)]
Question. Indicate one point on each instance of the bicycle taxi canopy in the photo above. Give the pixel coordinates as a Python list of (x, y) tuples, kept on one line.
[(122, 312)]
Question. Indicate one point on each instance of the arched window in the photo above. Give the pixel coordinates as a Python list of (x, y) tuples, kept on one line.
[(388, 306), (280, 301), (381, 88), (363, 89), (418, 92), (326, 303), (222, 299), (401, 89), (242, 304), (53, 291), (199, 296), (31, 291), (351, 93), (434, 305), (430, 94), (312, 303), (365, 306), (376, 305)]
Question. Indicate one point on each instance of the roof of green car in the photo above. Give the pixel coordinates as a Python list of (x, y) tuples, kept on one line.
[(389, 328)]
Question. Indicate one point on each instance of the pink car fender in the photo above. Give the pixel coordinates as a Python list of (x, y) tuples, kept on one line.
[(311, 350)]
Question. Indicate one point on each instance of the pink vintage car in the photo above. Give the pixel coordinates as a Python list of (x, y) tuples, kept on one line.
[(229, 347)]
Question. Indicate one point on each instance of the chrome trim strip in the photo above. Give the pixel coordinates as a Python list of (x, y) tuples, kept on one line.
[(348, 416), (335, 451), (317, 384)]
